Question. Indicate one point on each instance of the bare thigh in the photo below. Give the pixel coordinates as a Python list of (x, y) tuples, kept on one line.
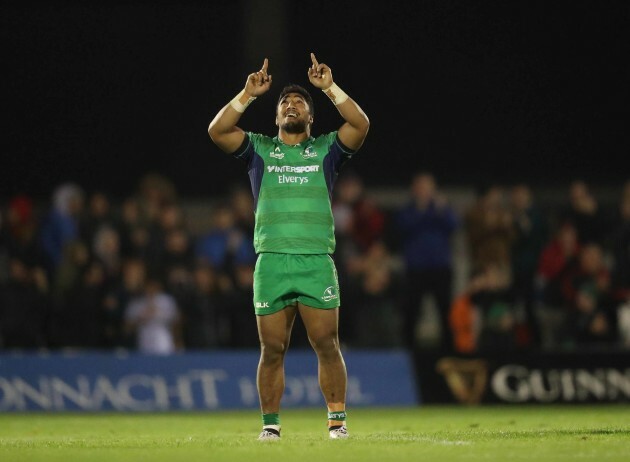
[(274, 330), (321, 325)]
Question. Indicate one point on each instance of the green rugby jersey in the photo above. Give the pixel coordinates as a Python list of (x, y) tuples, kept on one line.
[(292, 188)]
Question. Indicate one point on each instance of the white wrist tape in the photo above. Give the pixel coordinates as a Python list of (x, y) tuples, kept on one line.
[(336, 94), (237, 105)]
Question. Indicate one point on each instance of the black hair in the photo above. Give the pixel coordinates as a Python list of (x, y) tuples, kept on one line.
[(293, 88)]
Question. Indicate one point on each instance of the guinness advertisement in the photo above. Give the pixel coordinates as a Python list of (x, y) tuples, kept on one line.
[(593, 377)]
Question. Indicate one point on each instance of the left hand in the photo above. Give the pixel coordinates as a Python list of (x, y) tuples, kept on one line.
[(320, 75)]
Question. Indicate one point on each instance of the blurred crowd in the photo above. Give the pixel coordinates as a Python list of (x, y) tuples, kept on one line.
[(86, 271)]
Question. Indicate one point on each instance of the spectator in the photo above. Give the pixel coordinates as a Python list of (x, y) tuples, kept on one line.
[(496, 303), (178, 251), (585, 213), (376, 321), (106, 249), (586, 296), (138, 245), (490, 230), (482, 316), (98, 215), (205, 322), (154, 320), (155, 191), (19, 234), (557, 258), (225, 246), (139, 235), (360, 217), (620, 243), (80, 323), (237, 296), (465, 319), (176, 267), (242, 203), (68, 279), (23, 307), (426, 225), (620, 249), (171, 218), (129, 287), (157, 212), (76, 257), (345, 194), (130, 219), (494, 298), (623, 323), (61, 225), (530, 237)]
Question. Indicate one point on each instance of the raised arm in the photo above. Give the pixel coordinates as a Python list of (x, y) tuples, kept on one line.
[(353, 132), (223, 130)]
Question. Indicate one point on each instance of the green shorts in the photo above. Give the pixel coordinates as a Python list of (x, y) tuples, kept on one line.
[(282, 279)]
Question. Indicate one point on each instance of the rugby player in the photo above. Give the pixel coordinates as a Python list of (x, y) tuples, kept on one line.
[(292, 177)]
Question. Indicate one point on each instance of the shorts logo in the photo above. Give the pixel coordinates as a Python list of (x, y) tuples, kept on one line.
[(261, 305), (329, 294)]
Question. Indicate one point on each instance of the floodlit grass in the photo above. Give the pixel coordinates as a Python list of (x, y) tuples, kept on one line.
[(428, 433)]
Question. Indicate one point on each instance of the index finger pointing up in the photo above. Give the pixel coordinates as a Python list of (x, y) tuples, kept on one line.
[(315, 63), (265, 64)]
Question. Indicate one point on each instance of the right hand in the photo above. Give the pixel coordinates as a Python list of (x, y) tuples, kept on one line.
[(319, 74), (259, 82)]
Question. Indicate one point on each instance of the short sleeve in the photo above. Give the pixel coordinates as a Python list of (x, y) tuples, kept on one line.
[(245, 151)]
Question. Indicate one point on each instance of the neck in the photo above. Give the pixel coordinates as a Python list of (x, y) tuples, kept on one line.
[(292, 138)]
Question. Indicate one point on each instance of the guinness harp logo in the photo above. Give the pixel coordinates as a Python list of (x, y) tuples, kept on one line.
[(466, 378)]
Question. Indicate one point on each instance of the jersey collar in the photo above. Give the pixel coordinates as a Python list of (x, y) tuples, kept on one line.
[(303, 144)]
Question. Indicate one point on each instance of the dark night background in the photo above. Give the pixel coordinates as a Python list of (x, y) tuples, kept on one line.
[(102, 92)]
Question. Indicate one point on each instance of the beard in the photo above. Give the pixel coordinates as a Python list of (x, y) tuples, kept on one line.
[(294, 126)]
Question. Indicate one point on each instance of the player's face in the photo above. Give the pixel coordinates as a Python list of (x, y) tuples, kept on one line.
[(293, 114)]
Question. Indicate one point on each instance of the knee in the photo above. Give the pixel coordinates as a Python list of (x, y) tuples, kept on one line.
[(325, 345), (273, 351)]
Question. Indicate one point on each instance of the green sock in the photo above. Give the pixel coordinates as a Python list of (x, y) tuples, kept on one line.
[(271, 419), (337, 415)]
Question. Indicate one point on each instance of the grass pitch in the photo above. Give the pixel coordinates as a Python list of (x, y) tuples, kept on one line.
[(427, 433)]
